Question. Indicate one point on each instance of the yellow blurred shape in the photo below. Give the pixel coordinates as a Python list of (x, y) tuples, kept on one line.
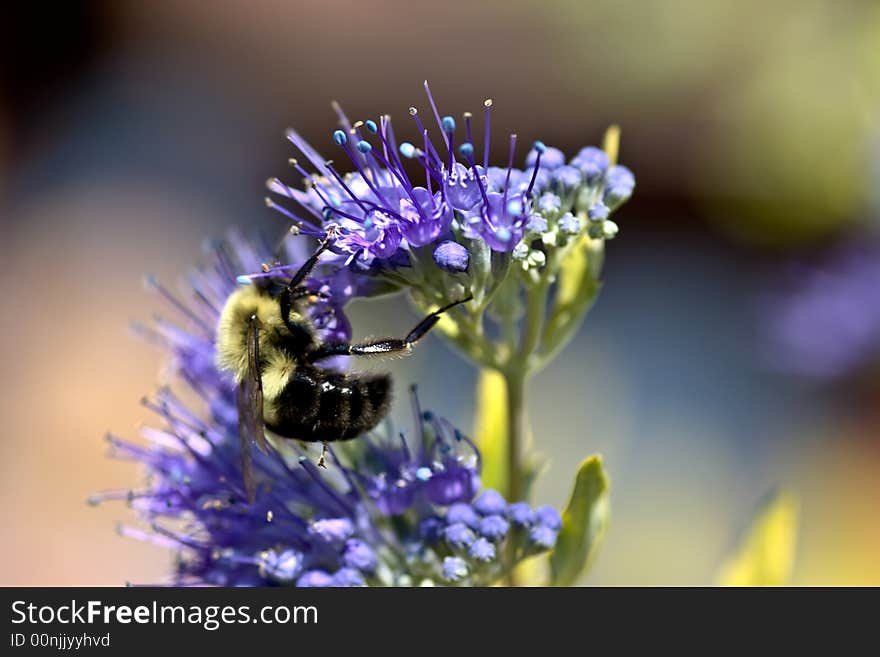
[(490, 428), (766, 554), (611, 143)]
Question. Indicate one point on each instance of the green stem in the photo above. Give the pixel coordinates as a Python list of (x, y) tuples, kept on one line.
[(515, 383)]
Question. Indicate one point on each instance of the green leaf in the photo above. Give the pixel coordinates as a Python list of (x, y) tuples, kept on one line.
[(490, 428), (584, 522), (765, 556)]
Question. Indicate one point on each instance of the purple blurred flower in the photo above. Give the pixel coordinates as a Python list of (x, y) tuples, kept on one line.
[(825, 322)]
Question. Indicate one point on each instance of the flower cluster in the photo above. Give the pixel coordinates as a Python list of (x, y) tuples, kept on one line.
[(435, 231), (388, 511), (475, 536)]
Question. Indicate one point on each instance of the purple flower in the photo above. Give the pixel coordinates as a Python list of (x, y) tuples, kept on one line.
[(382, 496), (549, 517), (452, 257), (521, 514), (543, 537), (358, 554), (592, 163), (493, 527), (482, 550), (382, 215), (464, 514), (315, 578), (282, 567), (490, 502), (348, 577), (459, 535), (454, 569), (619, 186)]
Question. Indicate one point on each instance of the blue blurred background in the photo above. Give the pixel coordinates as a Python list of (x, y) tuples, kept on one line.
[(139, 130)]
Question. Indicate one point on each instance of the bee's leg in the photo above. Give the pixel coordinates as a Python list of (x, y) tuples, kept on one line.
[(384, 345), (321, 462), (294, 291), (307, 267)]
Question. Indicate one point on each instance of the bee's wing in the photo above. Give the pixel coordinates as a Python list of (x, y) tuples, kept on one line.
[(250, 409)]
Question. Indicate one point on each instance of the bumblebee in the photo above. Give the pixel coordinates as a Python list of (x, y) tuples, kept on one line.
[(265, 340)]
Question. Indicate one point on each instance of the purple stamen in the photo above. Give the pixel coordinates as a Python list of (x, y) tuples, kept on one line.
[(152, 282), (540, 147), (305, 148), (436, 114), (388, 131), (470, 157), (488, 105), (343, 119), (297, 221), (354, 160), (429, 147), (467, 127), (389, 146), (308, 178), (427, 170), (509, 169), (341, 182), (449, 128)]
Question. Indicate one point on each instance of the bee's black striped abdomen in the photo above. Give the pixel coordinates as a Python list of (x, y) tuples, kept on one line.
[(322, 406)]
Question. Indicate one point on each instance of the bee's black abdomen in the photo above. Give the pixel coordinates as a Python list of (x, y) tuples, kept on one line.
[(322, 406)]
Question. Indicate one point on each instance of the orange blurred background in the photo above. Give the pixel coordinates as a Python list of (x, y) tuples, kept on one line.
[(753, 132)]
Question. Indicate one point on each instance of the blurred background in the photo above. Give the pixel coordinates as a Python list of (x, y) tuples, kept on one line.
[(736, 341)]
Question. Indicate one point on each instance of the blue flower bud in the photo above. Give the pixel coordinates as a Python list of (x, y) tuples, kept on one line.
[(494, 527), (282, 566), (315, 578), (549, 202), (490, 502), (448, 124), (348, 577), (567, 176), (466, 150), (454, 569), (364, 146), (452, 257), (549, 517), (340, 137), (371, 126), (592, 163), (520, 251), (431, 530), (459, 535), (359, 555), (482, 550), (464, 514), (536, 225), (619, 185), (543, 537), (569, 224), (598, 212), (407, 150), (520, 513), (551, 158), (333, 530)]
